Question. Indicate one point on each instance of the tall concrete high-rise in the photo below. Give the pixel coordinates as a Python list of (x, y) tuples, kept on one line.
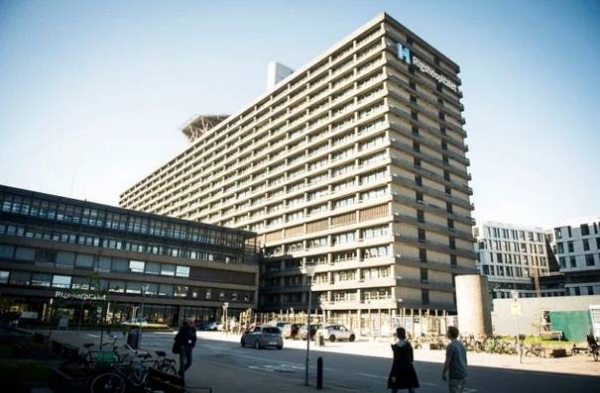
[(357, 163)]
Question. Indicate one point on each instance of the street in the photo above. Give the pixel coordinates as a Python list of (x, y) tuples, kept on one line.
[(362, 366)]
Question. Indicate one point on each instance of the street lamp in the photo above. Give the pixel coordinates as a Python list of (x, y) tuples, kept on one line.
[(225, 306), (309, 271), (144, 289)]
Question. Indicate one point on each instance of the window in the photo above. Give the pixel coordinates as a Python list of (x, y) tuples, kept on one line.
[(120, 265), (561, 248), (65, 259), (589, 260), (103, 264), (20, 278), (420, 216), (453, 261), (573, 262), (421, 236), (25, 254), (7, 251), (61, 281), (41, 279), (422, 255), (586, 245), (80, 283), (165, 290), (182, 271), (180, 291), (167, 270), (424, 276), (570, 244), (84, 261), (425, 296), (136, 266), (585, 229), (4, 277)]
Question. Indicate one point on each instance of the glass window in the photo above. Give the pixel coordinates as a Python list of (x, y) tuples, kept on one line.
[(180, 291), (183, 271), (6, 251), (103, 264), (80, 283), (20, 278), (165, 290), (61, 281), (41, 279), (4, 277), (84, 261), (120, 265), (152, 289), (167, 270), (134, 287), (136, 266), (152, 268), (65, 259), (47, 256), (117, 286), (25, 254)]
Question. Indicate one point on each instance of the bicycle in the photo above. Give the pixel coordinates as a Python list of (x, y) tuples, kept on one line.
[(77, 363), (164, 364), (536, 350), (120, 377)]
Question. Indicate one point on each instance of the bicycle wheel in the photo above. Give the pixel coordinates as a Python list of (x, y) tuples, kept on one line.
[(108, 383)]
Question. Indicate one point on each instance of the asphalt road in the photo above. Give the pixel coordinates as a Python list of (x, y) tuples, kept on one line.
[(220, 362)]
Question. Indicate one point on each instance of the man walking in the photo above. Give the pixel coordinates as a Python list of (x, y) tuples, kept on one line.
[(456, 363), (185, 340)]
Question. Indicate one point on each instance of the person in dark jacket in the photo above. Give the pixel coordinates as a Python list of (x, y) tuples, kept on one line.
[(403, 374), (186, 340)]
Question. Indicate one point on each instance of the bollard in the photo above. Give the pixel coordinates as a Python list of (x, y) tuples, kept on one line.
[(319, 373)]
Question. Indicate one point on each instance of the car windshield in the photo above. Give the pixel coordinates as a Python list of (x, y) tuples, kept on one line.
[(272, 330)]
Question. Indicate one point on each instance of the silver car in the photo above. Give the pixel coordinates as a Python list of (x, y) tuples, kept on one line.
[(335, 332), (262, 336)]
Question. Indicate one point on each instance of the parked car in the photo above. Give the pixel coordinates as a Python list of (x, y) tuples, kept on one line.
[(313, 330), (262, 336), (333, 332), (290, 330)]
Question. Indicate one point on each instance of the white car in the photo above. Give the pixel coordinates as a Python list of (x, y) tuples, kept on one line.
[(333, 332)]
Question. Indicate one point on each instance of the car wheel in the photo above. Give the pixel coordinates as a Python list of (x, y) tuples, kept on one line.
[(332, 338), (243, 343), (352, 337), (280, 347), (257, 344)]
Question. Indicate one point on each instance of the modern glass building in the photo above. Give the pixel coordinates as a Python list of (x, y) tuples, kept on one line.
[(58, 252), (355, 163), (513, 258), (577, 248)]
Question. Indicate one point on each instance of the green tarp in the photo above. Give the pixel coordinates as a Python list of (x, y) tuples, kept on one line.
[(574, 324)]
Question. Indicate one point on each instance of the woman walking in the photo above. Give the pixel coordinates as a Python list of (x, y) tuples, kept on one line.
[(403, 374)]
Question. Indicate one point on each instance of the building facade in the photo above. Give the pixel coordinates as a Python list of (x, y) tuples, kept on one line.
[(513, 258), (57, 252), (355, 163), (576, 246)]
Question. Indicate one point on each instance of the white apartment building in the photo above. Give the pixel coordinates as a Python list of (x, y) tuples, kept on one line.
[(513, 258), (577, 248), (355, 163)]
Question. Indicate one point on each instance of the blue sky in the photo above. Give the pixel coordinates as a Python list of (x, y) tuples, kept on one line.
[(93, 94)]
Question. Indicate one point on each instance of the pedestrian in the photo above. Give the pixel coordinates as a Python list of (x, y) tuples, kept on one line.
[(402, 374), (456, 363), (185, 340)]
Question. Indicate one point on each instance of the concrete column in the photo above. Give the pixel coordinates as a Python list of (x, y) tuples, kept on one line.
[(473, 305)]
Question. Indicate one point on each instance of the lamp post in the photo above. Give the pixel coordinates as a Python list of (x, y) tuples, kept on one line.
[(309, 271), (144, 289), (225, 306)]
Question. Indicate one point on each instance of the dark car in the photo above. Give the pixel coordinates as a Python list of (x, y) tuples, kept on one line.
[(313, 330), (290, 330), (262, 336)]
